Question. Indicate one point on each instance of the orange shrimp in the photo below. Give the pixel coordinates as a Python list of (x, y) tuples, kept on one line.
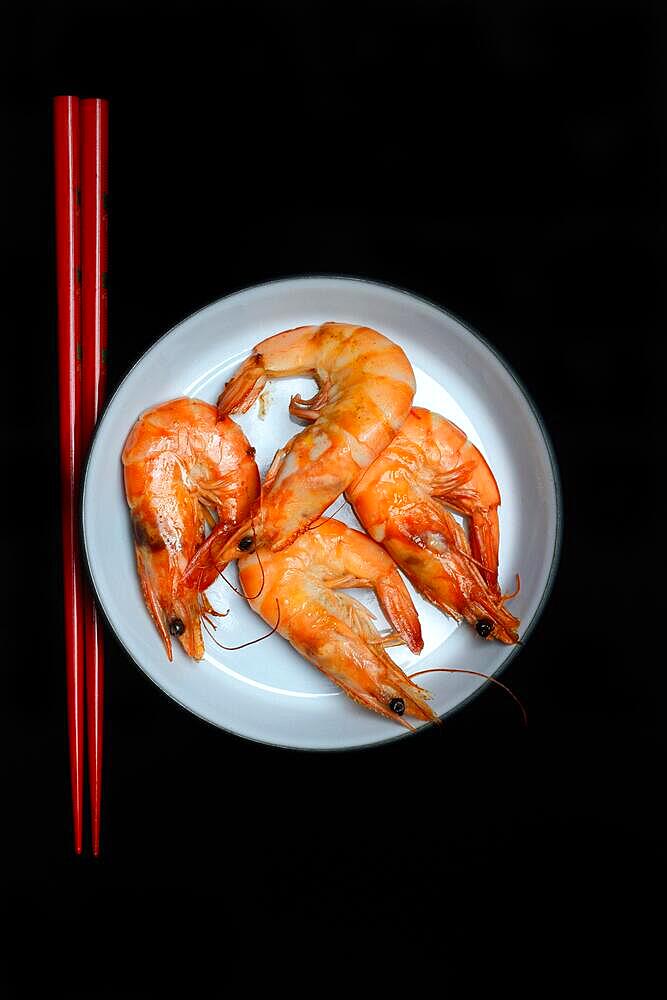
[(331, 629), (183, 467), (366, 386), (458, 474), (399, 501)]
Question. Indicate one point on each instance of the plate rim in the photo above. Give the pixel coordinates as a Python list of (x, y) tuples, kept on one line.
[(555, 472)]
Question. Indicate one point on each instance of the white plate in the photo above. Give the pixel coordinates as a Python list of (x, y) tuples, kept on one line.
[(267, 692)]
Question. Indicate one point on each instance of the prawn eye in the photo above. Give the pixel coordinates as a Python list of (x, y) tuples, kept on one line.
[(484, 627), (246, 543), (397, 705), (176, 626)]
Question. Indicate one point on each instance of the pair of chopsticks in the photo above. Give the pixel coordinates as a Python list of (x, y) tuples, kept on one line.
[(81, 168)]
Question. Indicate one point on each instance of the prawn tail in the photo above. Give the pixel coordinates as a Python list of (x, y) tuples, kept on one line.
[(243, 389), (400, 611)]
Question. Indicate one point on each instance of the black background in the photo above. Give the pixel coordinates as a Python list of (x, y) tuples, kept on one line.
[(506, 160)]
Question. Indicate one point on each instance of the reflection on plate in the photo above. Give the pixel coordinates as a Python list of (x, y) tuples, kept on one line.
[(268, 692)]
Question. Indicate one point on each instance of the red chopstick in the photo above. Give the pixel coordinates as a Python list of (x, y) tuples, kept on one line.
[(68, 280), (94, 227)]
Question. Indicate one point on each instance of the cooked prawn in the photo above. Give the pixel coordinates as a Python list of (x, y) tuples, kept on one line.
[(458, 474), (183, 467), (366, 385), (399, 501), (331, 629)]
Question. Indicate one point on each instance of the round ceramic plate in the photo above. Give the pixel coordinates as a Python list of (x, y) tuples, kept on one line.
[(267, 691)]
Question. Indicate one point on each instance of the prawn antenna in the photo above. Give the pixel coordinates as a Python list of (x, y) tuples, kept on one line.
[(361, 478), (471, 558), (474, 673), (230, 584), (261, 569), (318, 524), (251, 641)]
